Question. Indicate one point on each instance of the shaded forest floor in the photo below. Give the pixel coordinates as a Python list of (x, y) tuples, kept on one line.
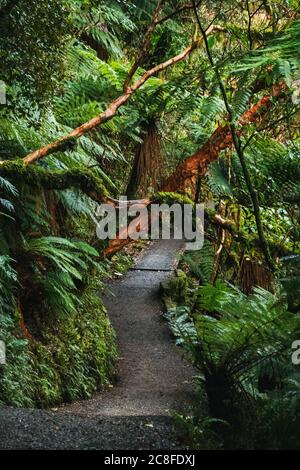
[(152, 380)]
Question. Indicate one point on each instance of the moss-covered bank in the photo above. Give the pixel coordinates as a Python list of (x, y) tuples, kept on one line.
[(72, 358)]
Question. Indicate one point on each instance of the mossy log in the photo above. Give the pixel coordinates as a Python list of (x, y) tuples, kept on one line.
[(36, 176)]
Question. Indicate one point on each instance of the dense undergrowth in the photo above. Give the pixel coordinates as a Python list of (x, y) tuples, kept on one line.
[(72, 358), (61, 357), (60, 345), (219, 125), (241, 345)]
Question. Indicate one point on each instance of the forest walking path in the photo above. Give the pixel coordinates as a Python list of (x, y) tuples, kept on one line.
[(153, 378)]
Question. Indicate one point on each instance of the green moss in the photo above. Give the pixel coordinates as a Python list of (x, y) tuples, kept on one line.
[(84, 349), (176, 290), (35, 175), (17, 375), (74, 357), (47, 383), (120, 263), (171, 198)]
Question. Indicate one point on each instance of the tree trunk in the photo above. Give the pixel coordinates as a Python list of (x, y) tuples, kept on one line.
[(187, 173), (147, 165)]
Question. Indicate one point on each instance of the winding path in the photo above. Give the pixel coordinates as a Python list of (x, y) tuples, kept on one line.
[(153, 378)]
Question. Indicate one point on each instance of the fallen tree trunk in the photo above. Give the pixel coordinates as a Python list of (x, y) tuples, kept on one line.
[(37, 176), (187, 172), (125, 236)]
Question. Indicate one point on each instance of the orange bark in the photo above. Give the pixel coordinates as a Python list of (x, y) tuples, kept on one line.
[(113, 108), (108, 114), (22, 323), (187, 172), (124, 236)]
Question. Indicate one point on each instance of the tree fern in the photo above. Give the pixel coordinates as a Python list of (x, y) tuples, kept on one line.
[(250, 332), (69, 256), (212, 109), (218, 181), (104, 22), (282, 53), (240, 102), (58, 264), (201, 263)]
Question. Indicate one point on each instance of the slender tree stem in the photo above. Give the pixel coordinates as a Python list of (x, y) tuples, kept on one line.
[(239, 150)]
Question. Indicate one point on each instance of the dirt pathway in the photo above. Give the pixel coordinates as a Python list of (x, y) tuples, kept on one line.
[(153, 379)]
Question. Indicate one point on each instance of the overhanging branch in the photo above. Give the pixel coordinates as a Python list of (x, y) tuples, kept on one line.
[(36, 176), (113, 108)]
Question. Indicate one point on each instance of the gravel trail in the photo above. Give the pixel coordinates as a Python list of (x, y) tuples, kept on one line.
[(152, 380)]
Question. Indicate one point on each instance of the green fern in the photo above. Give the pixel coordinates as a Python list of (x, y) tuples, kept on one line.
[(218, 181), (201, 263), (8, 281), (104, 23), (251, 332), (282, 53)]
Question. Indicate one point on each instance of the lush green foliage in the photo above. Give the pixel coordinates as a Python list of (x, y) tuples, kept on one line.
[(63, 63), (242, 348), (71, 359)]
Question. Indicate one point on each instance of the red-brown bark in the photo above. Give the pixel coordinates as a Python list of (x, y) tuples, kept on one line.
[(124, 236), (113, 108), (109, 113), (187, 172)]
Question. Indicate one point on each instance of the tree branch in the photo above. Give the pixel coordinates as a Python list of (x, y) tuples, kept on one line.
[(221, 139), (238, 148), (37, 176), (144, 49), (111, 111), (187, 6)]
